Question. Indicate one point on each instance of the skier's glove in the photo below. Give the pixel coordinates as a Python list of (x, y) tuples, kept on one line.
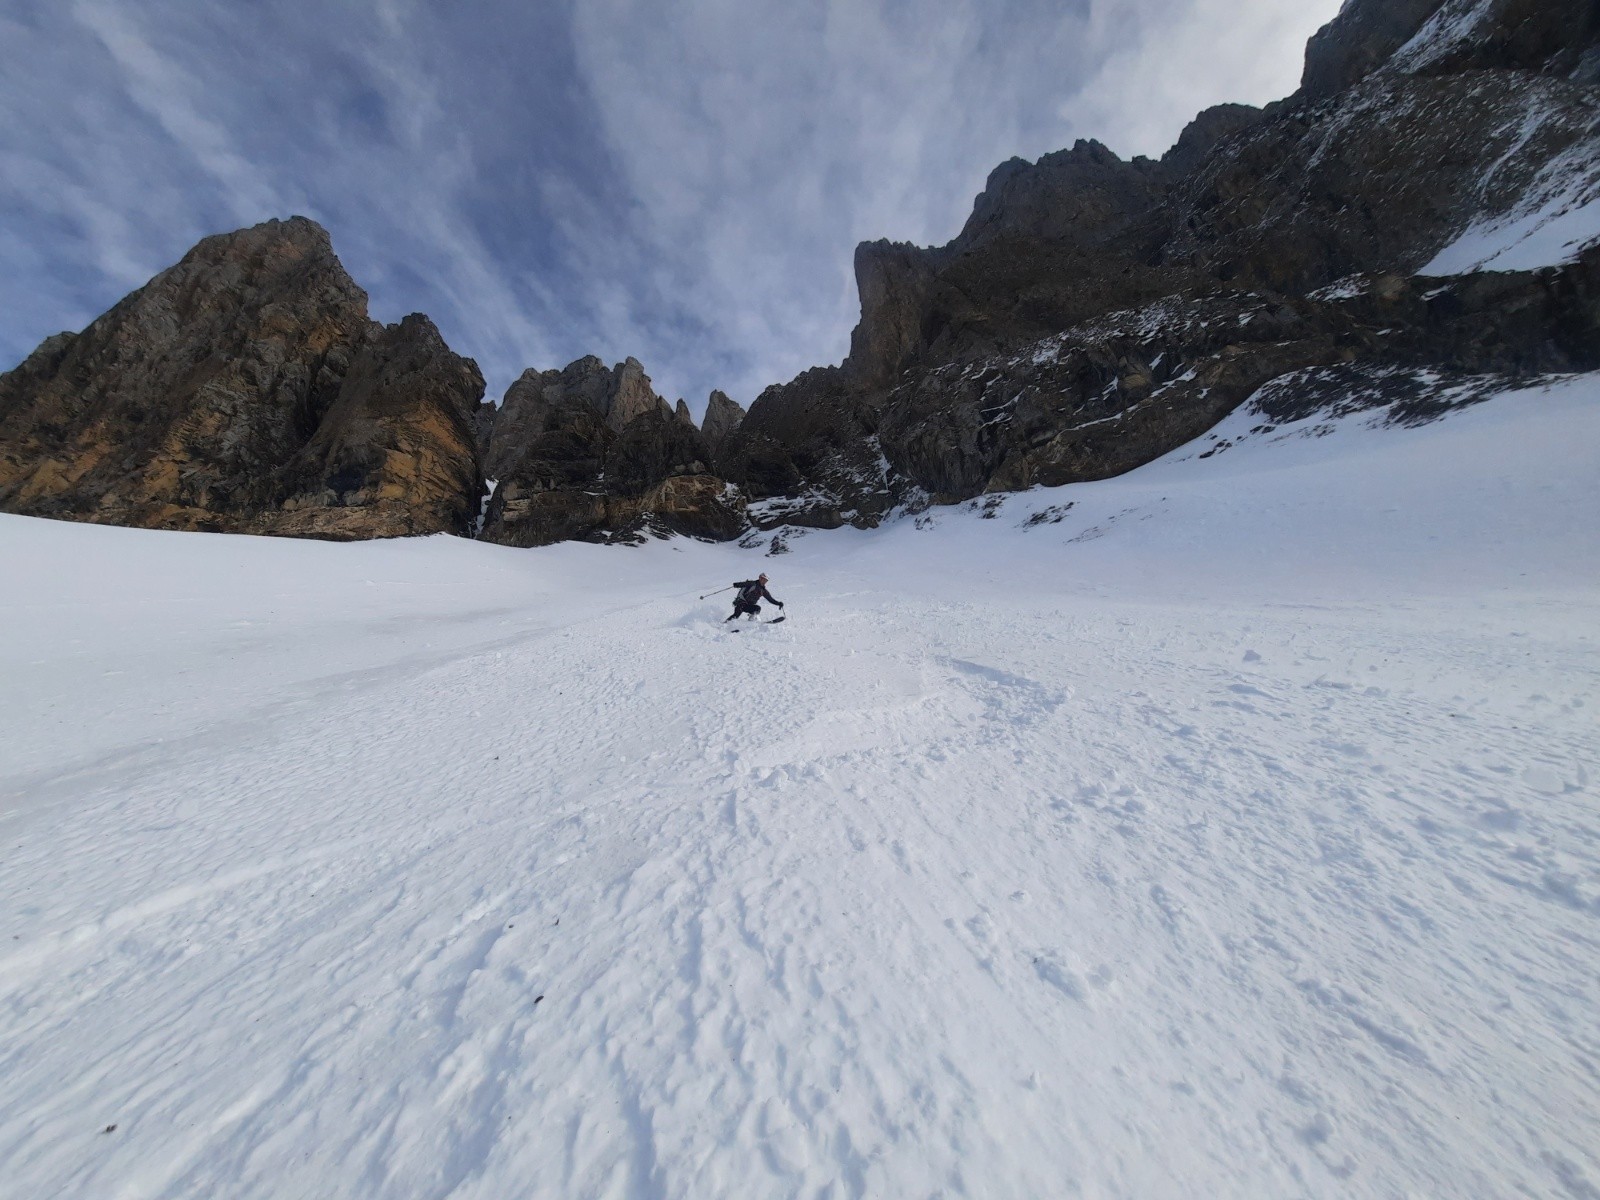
[(780, 604)]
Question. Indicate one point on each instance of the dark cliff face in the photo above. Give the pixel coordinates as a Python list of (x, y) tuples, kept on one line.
[(1358, 41), (591, 452), (1032, 255), (1110, 394), (1095, 313), (1379, 181), (1047, 244), (396, 453), (245, 390), (722, 420), (1430, 37)]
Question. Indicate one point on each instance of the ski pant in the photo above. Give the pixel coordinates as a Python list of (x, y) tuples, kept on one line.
[(740, 608)]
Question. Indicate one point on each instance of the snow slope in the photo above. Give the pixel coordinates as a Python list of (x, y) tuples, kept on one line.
[(1226, 829), (1552, 223)]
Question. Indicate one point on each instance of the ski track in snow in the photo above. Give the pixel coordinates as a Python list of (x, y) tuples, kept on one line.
[(973, 889)]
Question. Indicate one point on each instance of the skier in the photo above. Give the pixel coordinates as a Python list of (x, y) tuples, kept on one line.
[(750, 591)]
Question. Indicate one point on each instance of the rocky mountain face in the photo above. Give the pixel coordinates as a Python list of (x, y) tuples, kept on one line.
[(245, 389), (1095, 313), (722, 421), (591, 452), (396, 452), (1412, 218)]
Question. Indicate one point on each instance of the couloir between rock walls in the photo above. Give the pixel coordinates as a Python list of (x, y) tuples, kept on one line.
[(1092, 314)]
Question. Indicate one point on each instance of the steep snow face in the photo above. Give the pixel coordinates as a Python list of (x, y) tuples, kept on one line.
[(1456, 24), (1224, 829), (1553, 213), (1557, 215)]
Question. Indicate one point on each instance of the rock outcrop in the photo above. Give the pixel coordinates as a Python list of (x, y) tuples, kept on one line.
[(246, 390), (1108, 395), (1360, 39), (631, 395), (396, 453), (566, 467), (722, 420)]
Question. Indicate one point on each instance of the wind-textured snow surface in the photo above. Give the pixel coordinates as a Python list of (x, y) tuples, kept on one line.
[(1226, 829)]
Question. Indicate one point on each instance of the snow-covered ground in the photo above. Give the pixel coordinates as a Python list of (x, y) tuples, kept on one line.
[(1230, 833)]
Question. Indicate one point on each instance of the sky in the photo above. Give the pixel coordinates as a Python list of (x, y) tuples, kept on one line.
[(682, 181)]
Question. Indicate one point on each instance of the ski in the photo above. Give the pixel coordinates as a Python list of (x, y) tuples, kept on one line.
[(774, 621)]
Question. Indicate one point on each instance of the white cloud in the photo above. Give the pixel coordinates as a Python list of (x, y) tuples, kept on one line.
[(1174, 59), (182, 133), (763, 141), (161, 88)]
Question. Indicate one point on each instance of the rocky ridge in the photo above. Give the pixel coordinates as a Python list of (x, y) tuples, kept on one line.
[(590, 452), (1094, 313), (1372, 231), (245, 390)]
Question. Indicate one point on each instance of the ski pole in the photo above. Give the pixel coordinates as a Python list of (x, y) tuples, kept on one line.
[(719, 591)]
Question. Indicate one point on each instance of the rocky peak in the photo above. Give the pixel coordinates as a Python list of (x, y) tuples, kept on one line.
[(723, 418), (1361, 38), (631, 395), (1201, 136), (587, 379), (533, 398), (617, 395), (591, 452), (192, 402), (1084, 192), (245, 389), (1447, 36)]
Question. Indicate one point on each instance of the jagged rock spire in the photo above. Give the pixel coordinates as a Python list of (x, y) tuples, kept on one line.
[(723, 417)]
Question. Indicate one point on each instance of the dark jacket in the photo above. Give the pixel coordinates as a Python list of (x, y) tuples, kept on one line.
[(753, 590)]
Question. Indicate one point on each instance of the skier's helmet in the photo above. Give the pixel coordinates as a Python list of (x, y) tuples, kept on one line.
[(761, 578)]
